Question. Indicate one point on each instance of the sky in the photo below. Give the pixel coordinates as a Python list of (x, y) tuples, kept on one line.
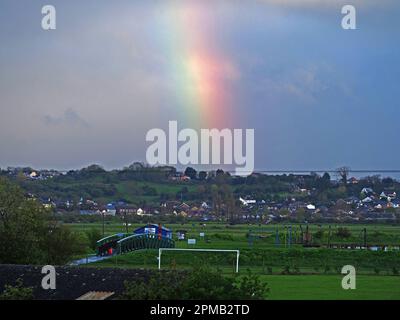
[(317, 96)]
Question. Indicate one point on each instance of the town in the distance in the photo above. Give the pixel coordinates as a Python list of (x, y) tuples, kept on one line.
[(164, 192)]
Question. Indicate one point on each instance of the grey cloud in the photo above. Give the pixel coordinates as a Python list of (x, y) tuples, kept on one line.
[(303, 85), (328, 4), (119, 72), (70, 118)]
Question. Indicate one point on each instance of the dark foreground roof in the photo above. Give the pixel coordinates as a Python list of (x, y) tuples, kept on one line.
[(71, 282)]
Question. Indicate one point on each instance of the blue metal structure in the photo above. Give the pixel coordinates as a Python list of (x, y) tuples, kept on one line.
[(154, 229), (151, 236)]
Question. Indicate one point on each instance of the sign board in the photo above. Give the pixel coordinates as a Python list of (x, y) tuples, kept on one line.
[(202, 234), (150, 230), (191, 241)]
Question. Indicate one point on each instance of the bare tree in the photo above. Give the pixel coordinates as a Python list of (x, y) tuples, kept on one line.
[(343, 173)]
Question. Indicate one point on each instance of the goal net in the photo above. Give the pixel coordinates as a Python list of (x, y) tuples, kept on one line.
[(172, 258)]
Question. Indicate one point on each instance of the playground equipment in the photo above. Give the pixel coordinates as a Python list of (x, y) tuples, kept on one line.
[(148, 237), (361, 242), (287, 234), (325, 236), (261, 233), (307, 238)]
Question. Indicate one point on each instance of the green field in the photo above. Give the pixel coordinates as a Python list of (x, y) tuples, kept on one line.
[(291, 272), (328, 287), (124, 190), (287, 287), (221, 235), (103, 189)]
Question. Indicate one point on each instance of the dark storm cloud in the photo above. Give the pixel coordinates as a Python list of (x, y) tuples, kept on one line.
[(317, 96)]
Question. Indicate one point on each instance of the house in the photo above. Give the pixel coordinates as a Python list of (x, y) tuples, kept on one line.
[(383, 195), (169, 206), (387, 195), (69, 204), (306, 191), (111, 209), (367, 191), (33, 175), (353, 180), (48, 204), (391, 194), (87, 204), (194, 211), (247, 202), (184, 207), (126, 210), (367, 200), (310, 207), (352, 200), (89, 212), (179, 177), (205, 206), (182, 214)]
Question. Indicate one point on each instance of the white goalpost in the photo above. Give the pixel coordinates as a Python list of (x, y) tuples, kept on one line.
[(160, 250)]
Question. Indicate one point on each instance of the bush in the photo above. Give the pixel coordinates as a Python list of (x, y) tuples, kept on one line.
[(286, 270), (27, 233), (343, 232), (219, 236), (319, 234), (327, 269), (160, 286), (61, 245), (93, 235), (268, 270), (249, 287), (200, 284), (17, 292)]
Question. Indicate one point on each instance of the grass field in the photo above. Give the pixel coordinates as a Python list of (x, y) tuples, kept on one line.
[(296, 287), (328, 287), (105, 189), (291, 272), (125, 188), (220, 235)]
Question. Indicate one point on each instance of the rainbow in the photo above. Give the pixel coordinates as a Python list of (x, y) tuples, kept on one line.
[(201, 73)]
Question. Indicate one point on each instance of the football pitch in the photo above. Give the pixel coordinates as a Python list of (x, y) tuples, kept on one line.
[(292, 272)]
